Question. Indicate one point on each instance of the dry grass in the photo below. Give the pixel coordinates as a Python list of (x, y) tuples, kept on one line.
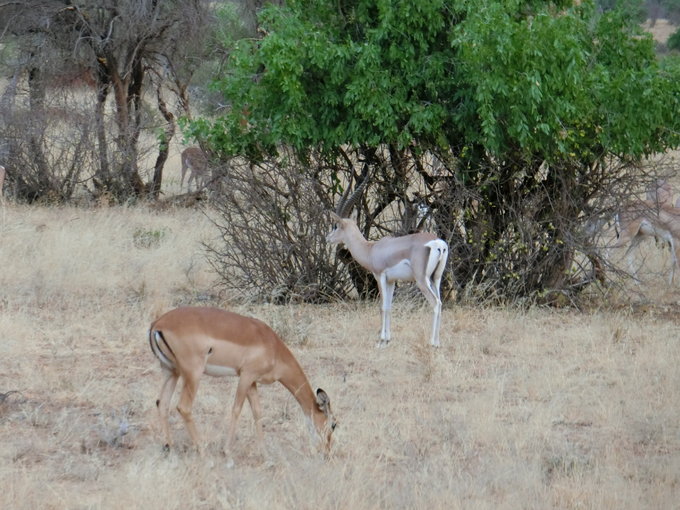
[(661, 30), (537, 409)]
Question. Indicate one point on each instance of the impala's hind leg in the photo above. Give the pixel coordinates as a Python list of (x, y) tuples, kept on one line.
[(186, 402), (163, 404)]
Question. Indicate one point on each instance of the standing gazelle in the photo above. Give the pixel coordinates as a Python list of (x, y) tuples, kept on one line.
[(419, 257), (192, 341)]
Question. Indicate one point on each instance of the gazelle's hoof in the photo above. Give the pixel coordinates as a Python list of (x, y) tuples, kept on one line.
[(382, 344)]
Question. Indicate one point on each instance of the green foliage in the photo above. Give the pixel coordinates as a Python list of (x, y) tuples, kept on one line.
[(673, 42), (635, 10), (395, 72), (563, 86)]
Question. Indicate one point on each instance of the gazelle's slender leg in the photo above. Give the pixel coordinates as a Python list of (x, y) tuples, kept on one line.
[(629, 257), (432, 298), (163, 403), (386, 292), (674, 261), (436, 320), (437, 281)]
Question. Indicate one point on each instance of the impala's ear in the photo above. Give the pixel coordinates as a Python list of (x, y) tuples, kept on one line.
[(323, 402)]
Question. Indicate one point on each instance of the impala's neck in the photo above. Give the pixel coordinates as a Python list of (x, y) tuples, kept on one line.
[(295, 381), (357, 245)]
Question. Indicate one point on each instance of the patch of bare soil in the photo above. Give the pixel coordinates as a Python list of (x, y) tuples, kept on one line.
[(661, 30)]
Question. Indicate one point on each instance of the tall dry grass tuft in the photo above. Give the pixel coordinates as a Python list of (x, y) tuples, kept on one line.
[(518, 409)]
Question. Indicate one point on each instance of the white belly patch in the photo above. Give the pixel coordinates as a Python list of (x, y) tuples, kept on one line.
[(401, 271), (219, 371)]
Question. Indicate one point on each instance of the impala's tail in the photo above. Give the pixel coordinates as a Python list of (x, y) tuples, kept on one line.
[(155, 339), (439, 253)]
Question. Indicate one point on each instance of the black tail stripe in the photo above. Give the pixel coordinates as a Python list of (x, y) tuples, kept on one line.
[(151, 340), (160, 333)]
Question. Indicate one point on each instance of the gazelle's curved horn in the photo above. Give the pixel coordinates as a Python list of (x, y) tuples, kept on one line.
[(343, 198), (346, 204)]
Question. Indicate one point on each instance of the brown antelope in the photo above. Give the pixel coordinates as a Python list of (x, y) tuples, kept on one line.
[(192, 341), (648, 219), (196, 161), (419, 257)]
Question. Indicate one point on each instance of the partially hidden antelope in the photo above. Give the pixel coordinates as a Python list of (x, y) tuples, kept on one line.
[(195, 161), (649, 219), (419, 257), (192, 341)]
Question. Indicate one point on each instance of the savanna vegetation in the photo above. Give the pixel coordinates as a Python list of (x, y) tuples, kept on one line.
[(513, 129), (535, 408)]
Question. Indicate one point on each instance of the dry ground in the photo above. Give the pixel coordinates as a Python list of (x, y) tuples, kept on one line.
[(518, 409)]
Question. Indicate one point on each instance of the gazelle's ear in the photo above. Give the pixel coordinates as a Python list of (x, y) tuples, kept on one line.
[(354, 215), (323, 402), (334, 216)]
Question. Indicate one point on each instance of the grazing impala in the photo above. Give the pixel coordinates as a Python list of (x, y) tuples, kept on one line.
[(192, 341), (418, 257), (649, 219), (196, 161)]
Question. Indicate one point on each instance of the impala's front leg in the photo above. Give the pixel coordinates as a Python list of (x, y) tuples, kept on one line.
[(386, 293), (242, 390), (256, 408)]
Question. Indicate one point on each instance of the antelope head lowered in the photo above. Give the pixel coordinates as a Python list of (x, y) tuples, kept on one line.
[(419, 257)]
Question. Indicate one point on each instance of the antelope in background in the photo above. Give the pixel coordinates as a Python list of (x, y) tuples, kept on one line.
[(656, 218), (419, 257), (196, 162)]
